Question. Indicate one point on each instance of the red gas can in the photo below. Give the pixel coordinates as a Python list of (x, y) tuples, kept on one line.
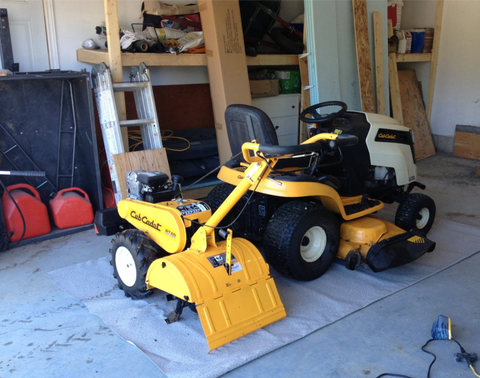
[(69, 209), (34, 212)]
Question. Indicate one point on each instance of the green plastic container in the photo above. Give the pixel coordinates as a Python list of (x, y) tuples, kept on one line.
[(289, 81)]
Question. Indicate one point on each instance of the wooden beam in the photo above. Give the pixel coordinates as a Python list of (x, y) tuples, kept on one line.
[(422, 57), (380, 85), (364, 63), (151, 60), (115, 60), (395, 100), (435, 48), (272, 60), (390, 29)]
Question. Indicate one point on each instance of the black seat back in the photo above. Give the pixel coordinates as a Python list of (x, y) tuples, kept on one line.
[(246, 123)]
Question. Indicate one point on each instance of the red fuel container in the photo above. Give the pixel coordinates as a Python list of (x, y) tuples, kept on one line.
[(70, 209), (34, 212)]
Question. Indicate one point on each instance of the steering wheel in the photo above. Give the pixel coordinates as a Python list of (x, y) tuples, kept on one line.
[(317, 118)]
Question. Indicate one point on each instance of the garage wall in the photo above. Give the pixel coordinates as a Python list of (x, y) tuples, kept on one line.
[(457, 86)]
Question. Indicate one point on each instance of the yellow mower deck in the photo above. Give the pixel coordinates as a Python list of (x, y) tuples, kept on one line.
[(360, 234)]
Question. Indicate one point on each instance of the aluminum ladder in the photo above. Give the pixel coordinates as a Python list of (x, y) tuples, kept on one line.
[(141, 86)]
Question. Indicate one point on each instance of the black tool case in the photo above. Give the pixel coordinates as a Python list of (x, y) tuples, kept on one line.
[(47, 124)]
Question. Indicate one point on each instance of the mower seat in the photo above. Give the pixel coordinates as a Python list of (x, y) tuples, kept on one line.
[(246, 123)]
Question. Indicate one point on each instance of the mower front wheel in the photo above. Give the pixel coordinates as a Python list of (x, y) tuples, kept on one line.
[(301, 240), (132, 253), (417, 213)]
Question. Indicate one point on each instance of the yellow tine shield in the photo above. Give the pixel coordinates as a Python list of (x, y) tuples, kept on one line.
[(229, 306)]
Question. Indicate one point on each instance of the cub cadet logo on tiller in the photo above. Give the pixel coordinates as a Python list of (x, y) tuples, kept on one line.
[(145, 220)]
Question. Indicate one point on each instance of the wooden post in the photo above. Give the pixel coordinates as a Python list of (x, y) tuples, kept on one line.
[(394, 88), (433, 65), (305, 93), (305, 100), (364, 63), (380, 85), (115, 60)]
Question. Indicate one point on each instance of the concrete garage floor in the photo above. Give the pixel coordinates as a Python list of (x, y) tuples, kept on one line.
[(46, 333)]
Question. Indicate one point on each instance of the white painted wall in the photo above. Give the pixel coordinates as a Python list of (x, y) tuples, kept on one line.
[(75, 21), (457, 86)]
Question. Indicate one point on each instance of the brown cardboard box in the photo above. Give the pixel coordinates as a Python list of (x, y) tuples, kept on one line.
[(264, 88), (226, 62)]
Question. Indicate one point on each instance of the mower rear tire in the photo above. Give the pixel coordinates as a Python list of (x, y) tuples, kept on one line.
[(417, 213), (132, 253), (218, 195), (301, 240)]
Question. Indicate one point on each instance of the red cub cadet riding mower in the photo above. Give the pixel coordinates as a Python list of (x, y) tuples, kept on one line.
[(313, 205)]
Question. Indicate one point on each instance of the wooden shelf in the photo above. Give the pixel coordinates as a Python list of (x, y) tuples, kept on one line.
[(432, 57), (403, 58), (134, 59)]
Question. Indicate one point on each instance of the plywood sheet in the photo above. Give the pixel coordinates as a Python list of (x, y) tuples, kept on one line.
[(149, 160), (467, 142), (364, 63), (414, 114)]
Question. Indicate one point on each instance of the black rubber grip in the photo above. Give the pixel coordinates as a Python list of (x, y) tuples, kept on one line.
[(345, 140)]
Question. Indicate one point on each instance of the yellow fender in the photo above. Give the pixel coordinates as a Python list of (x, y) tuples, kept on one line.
[(328, 196), (162, 224)]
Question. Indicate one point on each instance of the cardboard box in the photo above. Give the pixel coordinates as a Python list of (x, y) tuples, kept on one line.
[(264, 88), (226, 63)]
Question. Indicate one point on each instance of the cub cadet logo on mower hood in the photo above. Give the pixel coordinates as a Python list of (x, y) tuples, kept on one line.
[(387, 136), (145, 220), (394, 136)]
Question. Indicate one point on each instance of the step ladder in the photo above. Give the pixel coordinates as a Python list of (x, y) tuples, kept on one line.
[(140, 85)]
